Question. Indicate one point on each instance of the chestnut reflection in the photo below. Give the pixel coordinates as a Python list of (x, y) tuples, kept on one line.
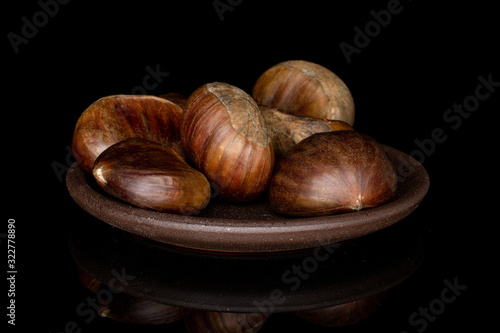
[(344, 314), (224, 322), (136, 310)]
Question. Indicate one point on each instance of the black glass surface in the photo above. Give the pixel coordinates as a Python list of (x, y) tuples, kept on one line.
[(274, 282)]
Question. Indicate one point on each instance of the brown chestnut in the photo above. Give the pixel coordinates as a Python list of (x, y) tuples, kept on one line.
[(338, 125), (177, 98), (150, 175), (115, 118), (287, 130), (224, 135), (304, 88), (224, 322), (332, 172)]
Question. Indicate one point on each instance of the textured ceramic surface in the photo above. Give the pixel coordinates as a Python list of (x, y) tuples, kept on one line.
[(252, 227)]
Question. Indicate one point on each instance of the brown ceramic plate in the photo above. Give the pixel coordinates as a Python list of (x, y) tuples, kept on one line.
[(253, 227)]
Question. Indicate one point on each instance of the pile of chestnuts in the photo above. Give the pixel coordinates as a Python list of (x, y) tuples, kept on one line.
[(291, 139)]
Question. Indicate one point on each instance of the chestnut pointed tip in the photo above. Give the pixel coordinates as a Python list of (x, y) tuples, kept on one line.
[(98, 175), (358, 204)]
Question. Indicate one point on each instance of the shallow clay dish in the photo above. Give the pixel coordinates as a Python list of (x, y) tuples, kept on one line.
[(252, 227)]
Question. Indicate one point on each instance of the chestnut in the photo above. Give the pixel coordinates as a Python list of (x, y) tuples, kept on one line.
[(177, 98), (149, 175), (332, 172), (224, 135), (338, 125), (305, 88), (115, 118), (199, 321), (287, 130)]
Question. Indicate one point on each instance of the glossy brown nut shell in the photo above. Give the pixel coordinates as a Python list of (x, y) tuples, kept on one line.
[(338, 125), (224, 135), (115, 118), (304, 88), (287, 130), (332, 172), (149, 175), (177, 98)]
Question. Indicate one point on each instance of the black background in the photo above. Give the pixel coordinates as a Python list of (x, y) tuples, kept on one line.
[(425, 60)]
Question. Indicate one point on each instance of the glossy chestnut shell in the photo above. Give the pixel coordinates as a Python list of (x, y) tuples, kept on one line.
[(224, 135), (303, 88), (177, 98), (332, 172), (115, 118), (150, 175)]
